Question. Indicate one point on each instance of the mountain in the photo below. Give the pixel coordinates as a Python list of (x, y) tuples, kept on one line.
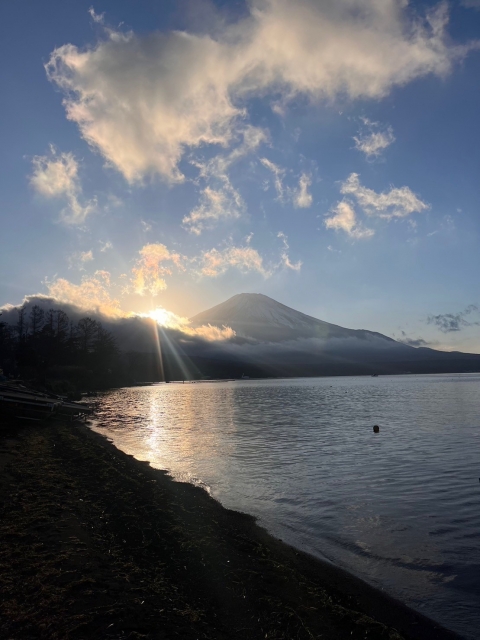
[(256, 316), (280, 341)]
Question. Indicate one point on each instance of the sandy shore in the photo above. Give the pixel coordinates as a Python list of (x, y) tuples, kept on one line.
[(94, 544)]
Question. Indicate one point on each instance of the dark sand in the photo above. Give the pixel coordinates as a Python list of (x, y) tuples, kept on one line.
[(94, 544)]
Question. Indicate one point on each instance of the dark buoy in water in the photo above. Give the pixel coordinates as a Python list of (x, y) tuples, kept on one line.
[(376, 428)]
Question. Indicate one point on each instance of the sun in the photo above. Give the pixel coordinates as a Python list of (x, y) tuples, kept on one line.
[(166, 319), (160, 315)]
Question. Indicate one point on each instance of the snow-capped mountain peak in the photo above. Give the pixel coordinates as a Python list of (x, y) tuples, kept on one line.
[(257, 316)]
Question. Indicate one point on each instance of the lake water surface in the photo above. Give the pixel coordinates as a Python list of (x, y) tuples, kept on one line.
[(400, 509)]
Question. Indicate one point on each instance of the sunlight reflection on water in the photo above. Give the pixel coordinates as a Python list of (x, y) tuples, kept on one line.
[(400, 509)]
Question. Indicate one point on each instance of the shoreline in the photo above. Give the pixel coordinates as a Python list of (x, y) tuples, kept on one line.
[(97, 544)]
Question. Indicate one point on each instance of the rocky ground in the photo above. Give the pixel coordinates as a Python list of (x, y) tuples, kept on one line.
[(94, 544)]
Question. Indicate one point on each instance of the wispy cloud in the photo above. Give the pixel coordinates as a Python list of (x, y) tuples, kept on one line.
[(215, 204), (447, 226), (301, 197), (285, 259), (56, 176), (143, 100), (416, 342), (395, 203), (278, 174), (155, 262), (105, 246), (99, 18), (471, 4), (450, 322), (344, 218), (78, 259), (219, 200), (373, 139)]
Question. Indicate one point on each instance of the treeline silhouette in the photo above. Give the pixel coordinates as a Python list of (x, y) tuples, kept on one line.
[(50, 351), (47, 348)]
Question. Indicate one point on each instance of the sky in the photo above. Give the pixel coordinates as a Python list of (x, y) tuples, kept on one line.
[(170, 154)]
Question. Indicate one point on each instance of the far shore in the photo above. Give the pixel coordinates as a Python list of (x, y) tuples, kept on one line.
[(95, 544)]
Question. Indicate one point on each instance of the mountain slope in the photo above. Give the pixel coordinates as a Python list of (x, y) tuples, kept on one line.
[(257, 316), (290, 343)]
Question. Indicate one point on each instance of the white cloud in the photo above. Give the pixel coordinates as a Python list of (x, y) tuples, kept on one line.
[(93, 293), (396, 203), (216, 262), (142, 100), (56, 175), (301, 197), (155, 262), (215, 204), (343, 218), (170, 320), (211, 333), (86, 256), (374, 139)]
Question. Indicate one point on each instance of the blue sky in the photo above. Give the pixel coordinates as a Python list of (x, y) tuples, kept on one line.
[(172, 154)]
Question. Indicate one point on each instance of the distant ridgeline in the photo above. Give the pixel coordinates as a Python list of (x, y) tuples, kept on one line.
[(64, 350)]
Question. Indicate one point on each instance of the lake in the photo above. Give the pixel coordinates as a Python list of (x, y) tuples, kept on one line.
[(400, 509)]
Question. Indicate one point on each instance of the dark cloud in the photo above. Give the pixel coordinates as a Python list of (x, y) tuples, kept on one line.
[(416, 342), (449, 322)]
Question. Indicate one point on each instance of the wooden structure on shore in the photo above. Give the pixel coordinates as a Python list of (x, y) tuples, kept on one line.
[(17, 401)]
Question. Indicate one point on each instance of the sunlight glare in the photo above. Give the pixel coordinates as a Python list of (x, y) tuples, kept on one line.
[(167, 319)]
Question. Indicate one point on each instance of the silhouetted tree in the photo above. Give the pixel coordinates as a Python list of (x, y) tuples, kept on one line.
[(37, 316), (48, 327), (21, 324), (86, 331), (7, 347), (61, 325)]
